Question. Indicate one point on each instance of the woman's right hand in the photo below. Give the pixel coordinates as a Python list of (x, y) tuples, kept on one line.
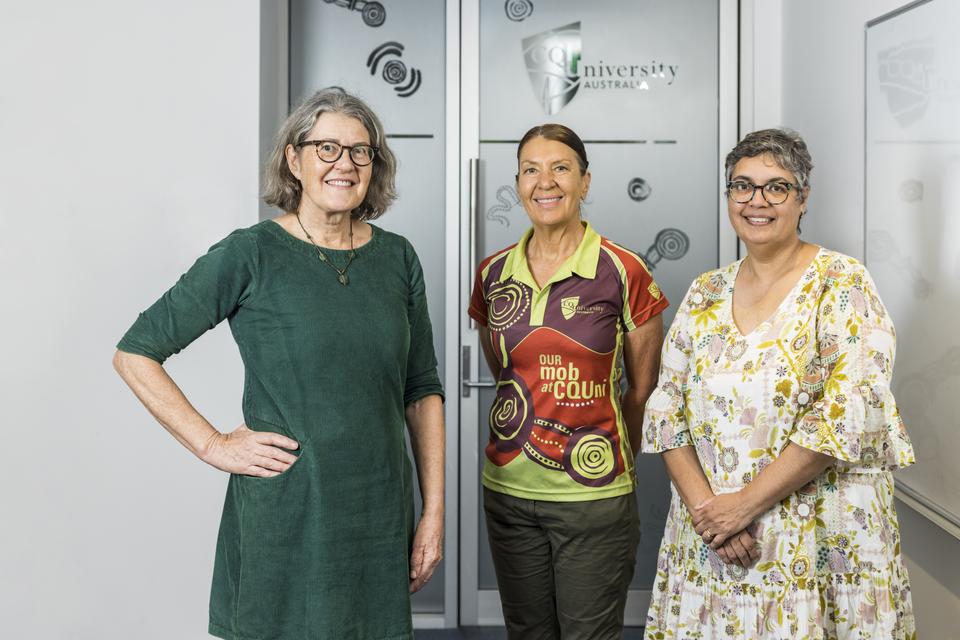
[(251, 453)]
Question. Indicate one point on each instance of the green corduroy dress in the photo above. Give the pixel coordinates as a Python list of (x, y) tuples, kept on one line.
[(321, 551)]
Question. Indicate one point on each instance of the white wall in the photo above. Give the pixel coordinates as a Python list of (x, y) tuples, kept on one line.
[(821, 96), (128, 145)]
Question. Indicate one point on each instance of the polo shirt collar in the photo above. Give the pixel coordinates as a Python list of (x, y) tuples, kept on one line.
[(582, 262)]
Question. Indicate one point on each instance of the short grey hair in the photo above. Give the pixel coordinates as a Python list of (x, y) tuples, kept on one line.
[(785, 146), (282, 189)]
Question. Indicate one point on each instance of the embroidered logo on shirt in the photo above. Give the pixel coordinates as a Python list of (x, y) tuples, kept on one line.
[(569, 307), (654, 290)]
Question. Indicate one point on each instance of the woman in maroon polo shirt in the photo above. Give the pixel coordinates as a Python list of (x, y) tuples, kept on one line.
[(563, 315)]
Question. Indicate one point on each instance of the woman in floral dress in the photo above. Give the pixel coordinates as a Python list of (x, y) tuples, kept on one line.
[(779, 431)]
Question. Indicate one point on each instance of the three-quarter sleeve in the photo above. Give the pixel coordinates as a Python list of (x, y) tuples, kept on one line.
[(422, 379), (665, 417), (852, 414), (213, 288)]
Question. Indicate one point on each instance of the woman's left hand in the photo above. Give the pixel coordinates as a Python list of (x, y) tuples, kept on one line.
[(720, 517), (427, 550)]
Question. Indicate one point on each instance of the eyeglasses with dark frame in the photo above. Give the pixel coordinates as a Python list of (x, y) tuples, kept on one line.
[(775, 192), (331, 151)]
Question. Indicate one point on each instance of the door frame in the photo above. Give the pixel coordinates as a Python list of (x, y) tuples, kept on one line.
[(482, 607)]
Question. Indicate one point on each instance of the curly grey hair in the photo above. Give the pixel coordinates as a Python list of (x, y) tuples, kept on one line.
[(785, 146), (282, 189)]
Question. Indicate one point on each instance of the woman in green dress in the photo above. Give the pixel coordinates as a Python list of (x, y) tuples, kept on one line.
[(317, 537)]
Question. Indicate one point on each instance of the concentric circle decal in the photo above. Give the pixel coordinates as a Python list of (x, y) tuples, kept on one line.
[(590, 458), (639, 189), (518, 10), (507, 303), (373, 14), (672, 244), (394, 72)]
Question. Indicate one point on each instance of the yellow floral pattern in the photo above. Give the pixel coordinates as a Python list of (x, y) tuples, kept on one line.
[(816, 373)]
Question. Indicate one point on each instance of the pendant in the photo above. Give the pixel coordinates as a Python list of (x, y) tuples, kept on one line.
[(344, 280)]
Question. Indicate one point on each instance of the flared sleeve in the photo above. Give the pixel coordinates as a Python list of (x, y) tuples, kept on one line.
[(665, 416), (212, 289), (847, 409)]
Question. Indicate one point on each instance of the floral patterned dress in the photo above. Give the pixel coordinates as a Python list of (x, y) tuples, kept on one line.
[(816, 373)]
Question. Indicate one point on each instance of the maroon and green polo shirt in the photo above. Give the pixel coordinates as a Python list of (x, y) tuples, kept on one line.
[(556, 427)]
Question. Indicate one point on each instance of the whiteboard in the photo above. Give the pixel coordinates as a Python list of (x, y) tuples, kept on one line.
[(912, 233)]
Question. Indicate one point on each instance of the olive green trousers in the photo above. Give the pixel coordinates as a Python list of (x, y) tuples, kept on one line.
[(563, 568)]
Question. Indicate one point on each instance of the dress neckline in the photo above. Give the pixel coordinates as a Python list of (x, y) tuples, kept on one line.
[(306, 247), (779, 309)]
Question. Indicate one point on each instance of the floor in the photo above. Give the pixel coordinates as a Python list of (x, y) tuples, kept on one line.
[(495, 633)]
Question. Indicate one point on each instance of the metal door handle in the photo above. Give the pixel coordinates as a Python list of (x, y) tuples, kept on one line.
[(465, 381)]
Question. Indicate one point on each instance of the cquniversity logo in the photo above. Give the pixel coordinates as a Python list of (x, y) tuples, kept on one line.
[(908, 76), (552, 60), (568, 306)]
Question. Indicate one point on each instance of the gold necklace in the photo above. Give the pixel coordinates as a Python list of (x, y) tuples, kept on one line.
[(341, 273)]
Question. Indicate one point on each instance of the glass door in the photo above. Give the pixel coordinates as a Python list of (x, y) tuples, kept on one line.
[(394, 56), (640, 82)]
